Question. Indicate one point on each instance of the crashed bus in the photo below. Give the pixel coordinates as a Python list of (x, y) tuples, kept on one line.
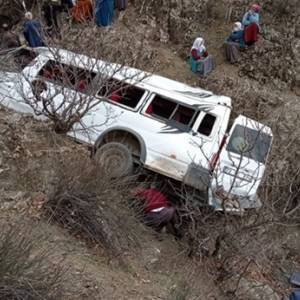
[(170, 128)]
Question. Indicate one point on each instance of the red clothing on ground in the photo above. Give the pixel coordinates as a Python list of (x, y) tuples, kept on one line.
[(195, 55), (251, 33), (153, 199)]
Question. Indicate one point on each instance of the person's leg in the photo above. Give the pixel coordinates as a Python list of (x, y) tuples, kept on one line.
[(158, 220), (152, 219), (232, 52), (165, 216), (172, 226), (55, 13)]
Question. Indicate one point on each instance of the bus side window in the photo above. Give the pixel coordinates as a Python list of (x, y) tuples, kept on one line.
[(161, 107), (69, 76), (121, 92), (207, 124)]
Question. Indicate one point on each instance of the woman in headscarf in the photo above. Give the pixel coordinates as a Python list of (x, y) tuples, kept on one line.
[(33, 32), (237, 34), (251, 24), (198, 50), (201, 63), (234, 42)]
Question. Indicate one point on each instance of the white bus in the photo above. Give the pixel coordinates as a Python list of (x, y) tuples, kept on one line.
[(168, 127)]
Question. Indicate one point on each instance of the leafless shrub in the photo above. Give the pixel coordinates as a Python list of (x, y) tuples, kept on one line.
[(11, 11), (70, 86), (25, 269), (92, 206)]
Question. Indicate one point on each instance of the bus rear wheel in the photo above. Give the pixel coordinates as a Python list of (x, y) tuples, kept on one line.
[(114, 159)]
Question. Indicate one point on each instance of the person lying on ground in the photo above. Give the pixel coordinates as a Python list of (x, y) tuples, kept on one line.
[(158, 211), (198, 50), (32, 30), (9, 39), (251, 24)]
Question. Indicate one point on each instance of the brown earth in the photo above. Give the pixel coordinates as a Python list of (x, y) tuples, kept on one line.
[(154, 269)]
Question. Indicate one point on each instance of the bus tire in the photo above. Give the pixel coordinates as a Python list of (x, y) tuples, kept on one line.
[(115, 159)]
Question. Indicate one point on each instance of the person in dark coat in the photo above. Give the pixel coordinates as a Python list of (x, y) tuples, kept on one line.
[(67, 4), (121, 4), (32, 30), (9, 39), (234, 43), (104, 12), (50, 11)]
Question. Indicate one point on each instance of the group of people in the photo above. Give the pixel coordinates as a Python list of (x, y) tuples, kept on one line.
[(34, 30), (82, 10), (243, 35)]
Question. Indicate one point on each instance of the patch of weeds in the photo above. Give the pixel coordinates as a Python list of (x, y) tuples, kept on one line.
[(26, 271)]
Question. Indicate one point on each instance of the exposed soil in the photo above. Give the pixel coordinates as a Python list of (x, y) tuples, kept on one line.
[(153, 270)]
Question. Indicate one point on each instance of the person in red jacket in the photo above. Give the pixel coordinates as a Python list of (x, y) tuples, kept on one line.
[(82, 11), (158, 210)]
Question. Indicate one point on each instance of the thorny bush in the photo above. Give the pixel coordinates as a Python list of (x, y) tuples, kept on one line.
[(25, 269), (92, 206)]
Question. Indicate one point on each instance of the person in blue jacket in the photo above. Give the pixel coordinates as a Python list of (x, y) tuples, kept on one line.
[(237, 35), (251, 24), (252, 15), (32, 30), (234, 43), (104, 12)]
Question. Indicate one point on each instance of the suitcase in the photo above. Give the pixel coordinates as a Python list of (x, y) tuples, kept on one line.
[(121, 4)]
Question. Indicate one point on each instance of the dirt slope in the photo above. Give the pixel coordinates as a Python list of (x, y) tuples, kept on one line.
[(154, 269)]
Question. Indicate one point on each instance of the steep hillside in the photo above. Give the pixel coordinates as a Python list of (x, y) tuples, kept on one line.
[(225, 257)]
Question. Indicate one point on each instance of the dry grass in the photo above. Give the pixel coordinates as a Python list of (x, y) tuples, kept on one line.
[(93, 207), (25, 268)]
